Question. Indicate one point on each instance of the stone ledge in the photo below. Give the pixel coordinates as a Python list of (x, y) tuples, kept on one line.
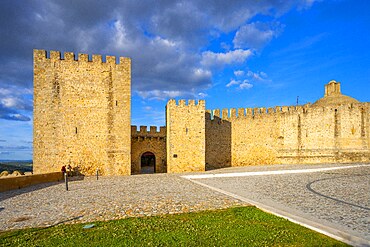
[(12, 183)]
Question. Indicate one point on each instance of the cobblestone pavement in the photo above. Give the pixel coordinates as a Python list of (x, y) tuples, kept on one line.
[(105, 199), (338, 198)]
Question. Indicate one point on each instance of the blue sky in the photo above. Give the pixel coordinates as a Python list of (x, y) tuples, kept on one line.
[(230, 53)]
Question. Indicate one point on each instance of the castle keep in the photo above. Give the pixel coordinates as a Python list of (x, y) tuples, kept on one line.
[(82, 113), (82, 117)]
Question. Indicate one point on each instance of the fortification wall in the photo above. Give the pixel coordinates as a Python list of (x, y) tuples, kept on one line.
[(255, 137), (185, 136), (218, 141), (250, 136), (330, 134), (152, 141), (81, 113), (308, 135), (294, 134)]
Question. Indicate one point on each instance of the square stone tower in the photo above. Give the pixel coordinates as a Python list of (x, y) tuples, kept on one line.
[(185, 136), (82, 113)]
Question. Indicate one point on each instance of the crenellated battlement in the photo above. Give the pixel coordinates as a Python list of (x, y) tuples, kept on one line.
[(80, 57), (182, 103), (143, 131), (234, 113)]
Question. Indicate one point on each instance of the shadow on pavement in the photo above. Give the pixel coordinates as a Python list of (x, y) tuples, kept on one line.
[(11, 193)]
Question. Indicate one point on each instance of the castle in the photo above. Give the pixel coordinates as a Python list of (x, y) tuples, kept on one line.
[(82, 111)]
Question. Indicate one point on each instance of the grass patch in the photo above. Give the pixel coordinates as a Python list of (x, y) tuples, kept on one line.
[(244, 226)]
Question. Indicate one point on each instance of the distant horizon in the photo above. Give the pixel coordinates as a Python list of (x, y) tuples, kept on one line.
[(16, 161)]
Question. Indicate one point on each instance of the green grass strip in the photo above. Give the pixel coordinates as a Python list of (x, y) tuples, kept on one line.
[(241, 226)]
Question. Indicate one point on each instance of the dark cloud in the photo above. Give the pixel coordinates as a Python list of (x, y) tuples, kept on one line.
[(15, 103), (166, 39), (10, 114)]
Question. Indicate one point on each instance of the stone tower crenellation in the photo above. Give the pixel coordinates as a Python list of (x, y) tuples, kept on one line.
[(82, 113)]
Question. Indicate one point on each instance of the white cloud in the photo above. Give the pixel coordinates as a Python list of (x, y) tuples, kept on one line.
[(257, 76), (245, 85), (256, 35), (202, 95), (212, 59), (120, 41), (263, 74), (201, 74), (164, 42), (5, 91), (159, 95), (15, 90), (239, 73), (233, 82), (9, 102), (241, 84), (15, 102), (18, 117)]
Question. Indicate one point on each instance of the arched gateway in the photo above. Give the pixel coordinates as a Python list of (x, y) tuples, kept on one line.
[(147, 163), (148, 150)]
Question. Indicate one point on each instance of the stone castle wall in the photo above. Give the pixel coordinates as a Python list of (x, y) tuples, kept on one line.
[(302, 134), (185, 136), (148, 141), (218, 141), (82, 113), (82, 117)]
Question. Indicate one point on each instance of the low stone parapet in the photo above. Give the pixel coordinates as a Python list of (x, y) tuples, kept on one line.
[(18, 182)]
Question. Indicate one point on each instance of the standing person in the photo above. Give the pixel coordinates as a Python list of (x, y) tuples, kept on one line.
[(69, 168), (64, 169)]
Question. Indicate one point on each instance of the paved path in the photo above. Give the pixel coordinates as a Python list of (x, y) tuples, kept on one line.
[(105, 199), (333, 199)]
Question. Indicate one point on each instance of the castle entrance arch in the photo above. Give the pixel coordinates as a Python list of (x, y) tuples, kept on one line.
[(148, 150), (147, 163)]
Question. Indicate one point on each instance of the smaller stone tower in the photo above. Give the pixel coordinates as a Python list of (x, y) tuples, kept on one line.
[(332, 88), (185, 136), (333, 96)]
